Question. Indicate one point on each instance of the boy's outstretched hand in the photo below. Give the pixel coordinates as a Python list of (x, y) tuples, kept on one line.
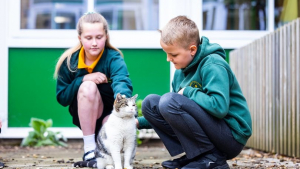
[(181, 91)]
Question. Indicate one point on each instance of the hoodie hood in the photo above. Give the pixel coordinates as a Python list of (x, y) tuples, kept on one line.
[(204, 49)]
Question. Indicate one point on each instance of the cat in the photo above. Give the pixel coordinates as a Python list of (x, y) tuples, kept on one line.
[(117, 135)]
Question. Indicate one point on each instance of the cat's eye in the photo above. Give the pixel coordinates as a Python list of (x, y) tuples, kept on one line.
[(133, 105)]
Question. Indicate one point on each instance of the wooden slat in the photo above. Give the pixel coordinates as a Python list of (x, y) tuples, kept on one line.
[(297, 149), (268, 71)]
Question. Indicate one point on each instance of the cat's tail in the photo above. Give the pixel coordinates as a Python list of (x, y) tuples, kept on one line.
[(91, 164)]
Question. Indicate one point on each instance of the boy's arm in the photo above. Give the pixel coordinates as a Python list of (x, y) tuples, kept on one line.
[(215, 95)]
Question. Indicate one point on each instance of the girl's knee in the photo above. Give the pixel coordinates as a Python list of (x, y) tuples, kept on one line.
[(88, 90)]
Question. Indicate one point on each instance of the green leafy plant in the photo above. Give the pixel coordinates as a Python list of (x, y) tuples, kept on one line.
[(139, 109), (40, 136)]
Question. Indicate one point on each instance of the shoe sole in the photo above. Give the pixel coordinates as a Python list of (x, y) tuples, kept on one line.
[(171, 168), (224, 166)]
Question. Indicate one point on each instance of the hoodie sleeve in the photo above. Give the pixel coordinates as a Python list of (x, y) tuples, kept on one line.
[(66, 86), (120, 76), (215, 95)]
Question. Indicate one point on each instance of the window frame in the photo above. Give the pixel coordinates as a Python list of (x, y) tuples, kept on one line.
[(47, 38), (168, 9)]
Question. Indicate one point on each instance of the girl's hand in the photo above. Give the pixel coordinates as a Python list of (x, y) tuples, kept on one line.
[(96, 77)]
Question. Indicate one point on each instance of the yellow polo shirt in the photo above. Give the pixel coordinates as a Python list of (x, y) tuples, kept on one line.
[(81, 63)]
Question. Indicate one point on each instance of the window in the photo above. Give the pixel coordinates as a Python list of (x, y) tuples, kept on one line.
[(129, 14), (51, 14), (64, 14), (234, 14), (286, 11), (52, 23)]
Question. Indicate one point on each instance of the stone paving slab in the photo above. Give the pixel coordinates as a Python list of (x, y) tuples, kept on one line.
[(149, 155)]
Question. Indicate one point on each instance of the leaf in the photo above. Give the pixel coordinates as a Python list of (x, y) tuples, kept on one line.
[(46, 142), (29, 139), (49, 123), (139, 107), (37, 123), (62, 144)]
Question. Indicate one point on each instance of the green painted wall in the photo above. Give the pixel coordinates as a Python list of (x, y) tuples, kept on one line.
[(31, 88)]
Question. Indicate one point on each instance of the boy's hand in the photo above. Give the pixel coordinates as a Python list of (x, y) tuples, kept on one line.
[(137, 123), (181, 91)]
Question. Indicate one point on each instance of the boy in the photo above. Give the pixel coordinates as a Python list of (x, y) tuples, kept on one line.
[(206, 116)]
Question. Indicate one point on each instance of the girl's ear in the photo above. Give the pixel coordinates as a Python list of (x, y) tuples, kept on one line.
[(193, 49), (79, 38)]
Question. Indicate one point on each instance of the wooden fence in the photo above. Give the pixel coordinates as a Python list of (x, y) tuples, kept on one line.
[(268, 71)]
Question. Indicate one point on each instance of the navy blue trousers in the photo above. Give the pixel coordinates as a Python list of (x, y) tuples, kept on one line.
[(183, 126)]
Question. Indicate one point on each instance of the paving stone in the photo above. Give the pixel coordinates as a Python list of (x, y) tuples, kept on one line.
[(148, 155)]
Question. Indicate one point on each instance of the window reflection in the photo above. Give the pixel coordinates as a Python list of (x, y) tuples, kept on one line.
[(129, 14), (51, 14), (234, 14), (286, 11)]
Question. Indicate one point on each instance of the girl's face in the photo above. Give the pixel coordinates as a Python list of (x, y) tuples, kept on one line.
[(92, 38), (178, 55)]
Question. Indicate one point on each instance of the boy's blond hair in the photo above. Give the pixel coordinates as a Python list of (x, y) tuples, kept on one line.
[(182, 31)]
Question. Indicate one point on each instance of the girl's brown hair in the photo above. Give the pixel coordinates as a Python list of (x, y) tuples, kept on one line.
[(86, 18)]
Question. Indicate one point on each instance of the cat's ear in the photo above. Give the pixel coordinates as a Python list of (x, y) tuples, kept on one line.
[(119, 97), (135, 96)]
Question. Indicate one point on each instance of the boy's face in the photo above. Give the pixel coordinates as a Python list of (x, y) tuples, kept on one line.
[(178, 55)]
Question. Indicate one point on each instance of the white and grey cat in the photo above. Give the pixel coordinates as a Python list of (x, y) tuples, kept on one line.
[(117, 137)]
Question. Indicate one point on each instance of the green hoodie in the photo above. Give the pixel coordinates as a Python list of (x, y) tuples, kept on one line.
[(209, 81)]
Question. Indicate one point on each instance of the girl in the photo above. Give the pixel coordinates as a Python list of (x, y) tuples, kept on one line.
[(89, 76)]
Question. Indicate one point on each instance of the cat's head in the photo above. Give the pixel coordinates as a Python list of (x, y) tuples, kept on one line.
[(125, 106)]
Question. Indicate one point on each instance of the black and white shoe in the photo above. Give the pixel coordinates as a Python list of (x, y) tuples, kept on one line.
[(214, 160), (1, 165), (89, 156), (176, 163)]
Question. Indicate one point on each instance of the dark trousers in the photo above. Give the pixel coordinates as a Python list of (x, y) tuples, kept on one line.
[(183, 126)]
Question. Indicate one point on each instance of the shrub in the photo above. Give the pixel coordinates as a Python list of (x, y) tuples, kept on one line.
[(40, 136)]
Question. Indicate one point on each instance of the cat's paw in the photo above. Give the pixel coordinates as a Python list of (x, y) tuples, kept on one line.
[(128, 167), (109, 167)]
